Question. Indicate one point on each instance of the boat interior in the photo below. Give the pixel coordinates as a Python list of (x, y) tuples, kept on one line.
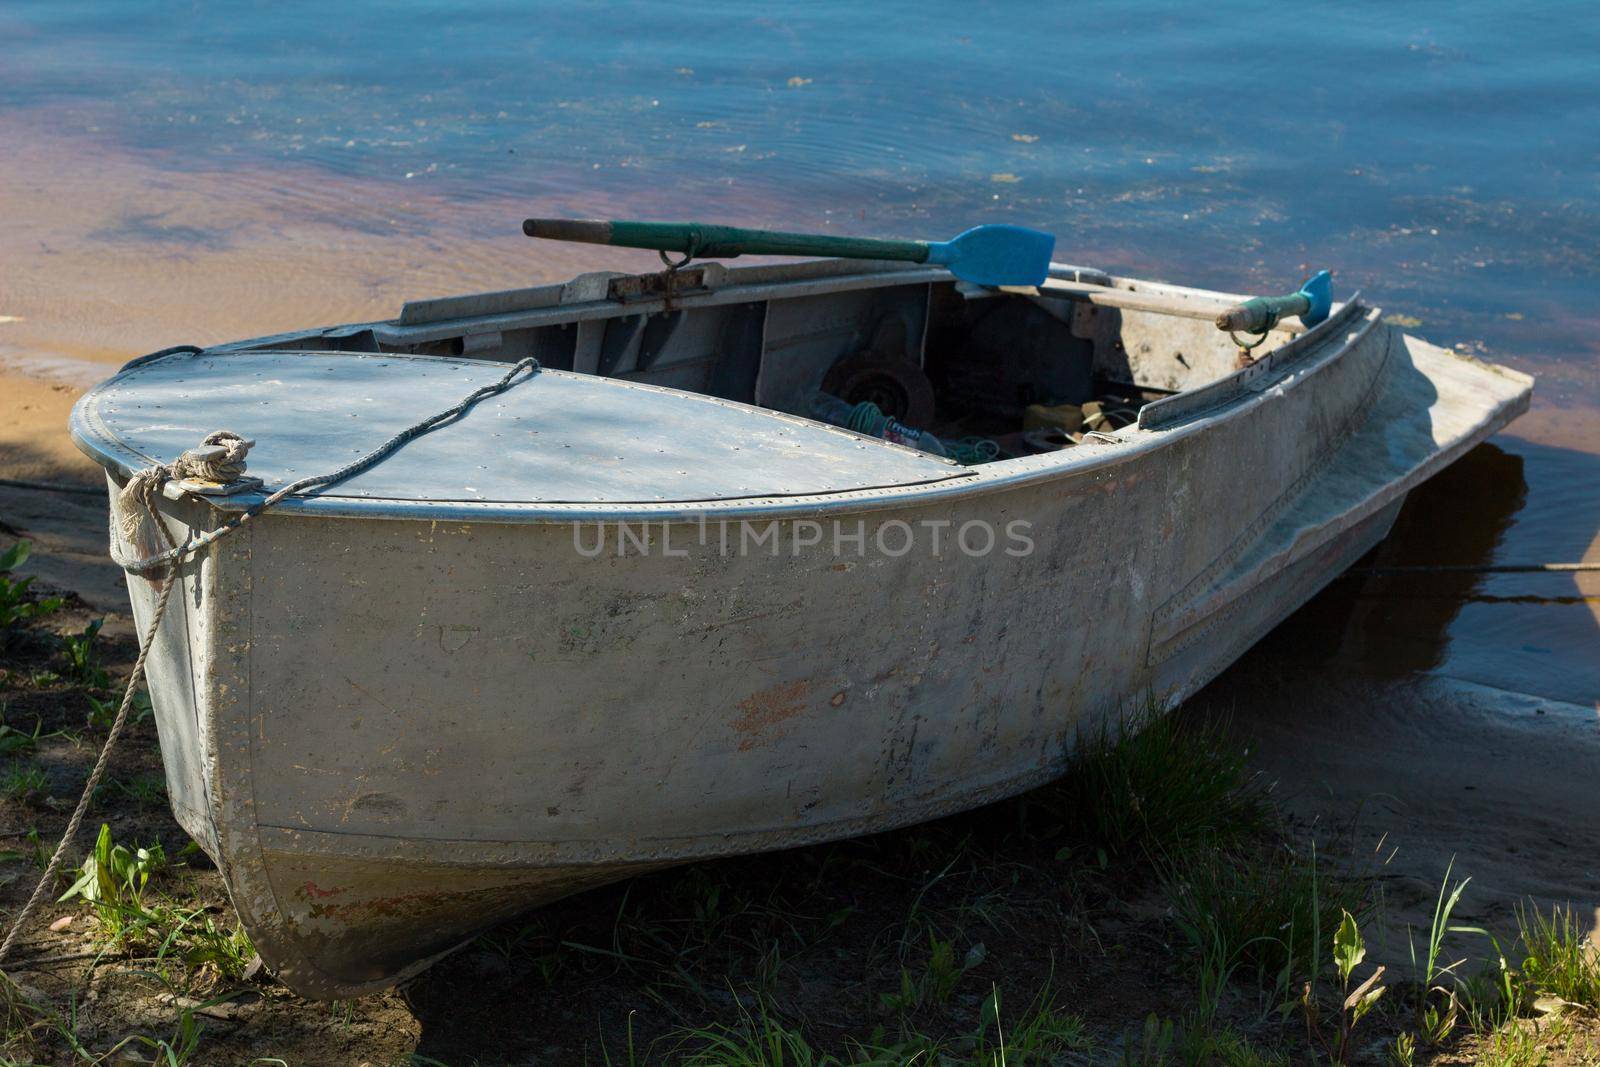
[(907, 354)]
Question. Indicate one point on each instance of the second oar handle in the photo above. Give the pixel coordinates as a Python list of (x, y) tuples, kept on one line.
[(1261, 313), (698, 240), (1312, 302)]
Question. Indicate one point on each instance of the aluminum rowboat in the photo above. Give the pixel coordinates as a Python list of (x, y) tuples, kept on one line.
[(642, 609)]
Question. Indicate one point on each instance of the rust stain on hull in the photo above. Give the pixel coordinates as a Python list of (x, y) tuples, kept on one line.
[(766, 709)]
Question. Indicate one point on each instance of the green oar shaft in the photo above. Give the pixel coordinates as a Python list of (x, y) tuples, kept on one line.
[(1261, 313), (721, 242)]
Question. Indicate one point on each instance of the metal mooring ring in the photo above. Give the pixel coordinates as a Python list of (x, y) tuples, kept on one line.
[(1259, 338)]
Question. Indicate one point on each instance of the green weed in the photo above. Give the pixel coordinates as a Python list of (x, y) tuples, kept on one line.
[(17, 607), (531, 943), (192, 937), (143, 788), (83, 659), (1154, 1046), (38, 851), (1496, 995), (114, 876), (1349, 950), (934, 982), (1439, 1005), (176, 1050), (24, 782), (102, 713), (1429, 971), (114, 880), (15, 742)]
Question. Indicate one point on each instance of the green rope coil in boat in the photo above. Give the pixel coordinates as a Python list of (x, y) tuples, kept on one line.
[(970, 451), (866, 417)]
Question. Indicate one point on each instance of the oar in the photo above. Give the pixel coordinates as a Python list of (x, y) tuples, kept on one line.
[(1312, 302), (987, 255)]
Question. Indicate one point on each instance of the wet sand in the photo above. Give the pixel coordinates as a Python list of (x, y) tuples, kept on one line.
[(106, 256), (1444, 716), (1449, 718)]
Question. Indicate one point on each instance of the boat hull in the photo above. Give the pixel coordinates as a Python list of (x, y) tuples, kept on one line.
[(392, 733)]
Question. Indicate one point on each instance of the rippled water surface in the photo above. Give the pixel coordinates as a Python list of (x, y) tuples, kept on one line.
[(1447, 149), (1444, 158)]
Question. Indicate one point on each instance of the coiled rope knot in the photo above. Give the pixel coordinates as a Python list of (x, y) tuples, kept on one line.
[(219, 459)]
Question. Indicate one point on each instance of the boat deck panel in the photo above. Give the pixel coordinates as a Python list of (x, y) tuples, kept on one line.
[(560, 437)]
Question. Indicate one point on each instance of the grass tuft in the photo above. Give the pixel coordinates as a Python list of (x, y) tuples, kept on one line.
[(756, 1039), (1561, 961), (1267, 914), (23, 782), (1521, 1044), (1041, 1034), (20, 1016), (1153, 786), (114, 880), (1164, 1043)]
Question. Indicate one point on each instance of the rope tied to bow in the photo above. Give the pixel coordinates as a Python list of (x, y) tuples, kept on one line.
[(219, 459)]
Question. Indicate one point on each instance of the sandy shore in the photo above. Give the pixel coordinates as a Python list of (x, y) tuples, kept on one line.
[(1432, 773)]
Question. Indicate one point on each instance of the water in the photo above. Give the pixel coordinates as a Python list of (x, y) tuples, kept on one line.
[(1440, 157)]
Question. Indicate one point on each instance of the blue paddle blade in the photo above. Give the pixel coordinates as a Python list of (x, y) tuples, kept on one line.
[(996, 255), (1319, 290)]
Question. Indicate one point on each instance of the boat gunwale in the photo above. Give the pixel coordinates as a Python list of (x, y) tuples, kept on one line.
[(738, 288), (1171, 410)]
